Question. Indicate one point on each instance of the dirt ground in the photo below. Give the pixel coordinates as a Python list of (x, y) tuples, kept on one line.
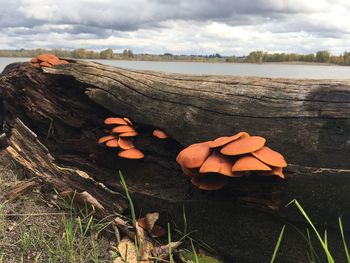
[(34, 228)]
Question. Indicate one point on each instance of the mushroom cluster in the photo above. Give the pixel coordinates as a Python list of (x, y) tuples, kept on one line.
[(160, 134), (210, 164), (120, 135), (47, 60)]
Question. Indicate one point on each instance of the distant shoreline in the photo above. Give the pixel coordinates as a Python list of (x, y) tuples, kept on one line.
[(196, 61)]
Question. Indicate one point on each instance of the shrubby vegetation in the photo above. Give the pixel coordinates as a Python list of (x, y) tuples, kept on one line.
[(322, 56)]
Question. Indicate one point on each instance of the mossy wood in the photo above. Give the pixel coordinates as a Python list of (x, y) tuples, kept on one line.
[(308, 121)]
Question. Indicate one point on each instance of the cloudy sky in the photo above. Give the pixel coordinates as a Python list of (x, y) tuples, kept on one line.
[(177, 26)]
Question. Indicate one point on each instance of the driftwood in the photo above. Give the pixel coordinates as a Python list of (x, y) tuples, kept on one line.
[(307, 120)]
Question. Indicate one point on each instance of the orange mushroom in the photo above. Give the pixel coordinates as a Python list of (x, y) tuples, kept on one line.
[(61, 62), (112, 143), (194, 155), (209, 182), (270, 157), (45, 64), (128, 134), (249, 163), (275, 171), (190, 172), (106, 138), (125, 143), (36, 65), (115, 120), (123, 129), (217, 163), (49, 58), (243, 145), (128, 121), (34, 60), (160, 134), (218, 142), (131, 154)]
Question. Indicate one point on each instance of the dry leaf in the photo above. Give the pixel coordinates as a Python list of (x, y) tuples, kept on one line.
[(83, 198), (150, 220), (124, 227), (157, 231), (11, 226), (162, 252), (148, 223), (147, 251), (127, 251)]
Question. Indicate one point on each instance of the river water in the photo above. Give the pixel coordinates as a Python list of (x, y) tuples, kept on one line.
[(277, 70)]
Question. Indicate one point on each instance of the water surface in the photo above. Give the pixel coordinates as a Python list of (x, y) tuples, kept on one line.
[(278, 70)]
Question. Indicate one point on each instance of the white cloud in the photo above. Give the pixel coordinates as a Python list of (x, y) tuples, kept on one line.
[(178, 26)]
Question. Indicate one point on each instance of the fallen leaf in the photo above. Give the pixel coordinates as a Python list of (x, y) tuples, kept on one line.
[(84, 198), (127, 251), (150, 220), (11, 226), (162, 252)]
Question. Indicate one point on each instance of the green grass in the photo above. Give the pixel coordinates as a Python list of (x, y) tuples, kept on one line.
[(344, 241), (279, 240), (313, 257)]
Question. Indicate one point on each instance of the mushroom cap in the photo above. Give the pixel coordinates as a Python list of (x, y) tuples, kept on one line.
[(50, 58), (131, 154), (34, 60), (112, 143), (61, 62), (194, 155), (218, 142), (115, 120), (160, 134), (190, 172), (125, 143), (36, 65), (209, 182), (275, 171), (249, 163), (128, 121), (106, 138), (270, 157), (123, 129), (128, 134), (217, 163), (45, 64), (243, 145)]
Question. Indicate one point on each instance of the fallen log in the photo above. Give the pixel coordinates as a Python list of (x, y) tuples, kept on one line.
[(307, 120)]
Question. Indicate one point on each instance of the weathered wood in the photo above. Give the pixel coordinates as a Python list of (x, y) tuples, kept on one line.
[(307, 120), (28, 152)]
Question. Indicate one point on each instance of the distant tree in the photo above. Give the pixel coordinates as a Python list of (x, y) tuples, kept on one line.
[(231, 59), (127, 53), (106, 54), (79, 53), (323, 56), (309, 58), (255, 57), (346, 58)]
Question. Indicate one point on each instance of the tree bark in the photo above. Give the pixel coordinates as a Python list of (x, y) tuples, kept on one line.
[(307, 120)]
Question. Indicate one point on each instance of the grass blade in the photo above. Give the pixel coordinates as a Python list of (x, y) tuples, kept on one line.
[(323, 243), (131, 204), (344, 242), (194, 252), (169, 242), (279, 240)]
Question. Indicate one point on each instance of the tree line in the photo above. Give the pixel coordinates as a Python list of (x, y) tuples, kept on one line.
[(322, 56)]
